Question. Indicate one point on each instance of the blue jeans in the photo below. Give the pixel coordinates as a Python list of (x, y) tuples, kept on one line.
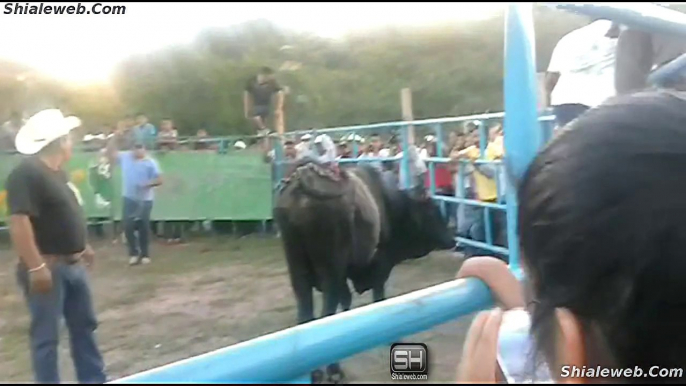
[(136, 218), (70, 297)]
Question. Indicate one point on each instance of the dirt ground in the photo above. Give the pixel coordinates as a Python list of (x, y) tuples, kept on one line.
[(208, 294)]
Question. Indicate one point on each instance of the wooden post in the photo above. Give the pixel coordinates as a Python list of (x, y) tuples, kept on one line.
[(406, 106), (280, 119), (280, 126), (279, 123)]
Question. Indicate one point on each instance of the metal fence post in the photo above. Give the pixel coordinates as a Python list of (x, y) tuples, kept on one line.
[(356, 148), (438, 129), (522, 129), (405, 162)]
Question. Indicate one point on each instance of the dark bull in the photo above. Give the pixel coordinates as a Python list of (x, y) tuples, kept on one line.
[(351, 225)]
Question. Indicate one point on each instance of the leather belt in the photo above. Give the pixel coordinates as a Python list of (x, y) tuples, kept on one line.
[(64, 259), (59, 259)]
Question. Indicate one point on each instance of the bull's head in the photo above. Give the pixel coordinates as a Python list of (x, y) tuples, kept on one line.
[(431, 228)]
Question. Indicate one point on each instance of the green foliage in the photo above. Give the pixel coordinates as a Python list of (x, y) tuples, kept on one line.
[(452, 69)]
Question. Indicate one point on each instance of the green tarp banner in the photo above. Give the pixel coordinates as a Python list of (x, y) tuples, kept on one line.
[(197, 186)]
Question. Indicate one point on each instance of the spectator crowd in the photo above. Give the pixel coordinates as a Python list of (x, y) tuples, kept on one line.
[(481, 181), (129, 130)]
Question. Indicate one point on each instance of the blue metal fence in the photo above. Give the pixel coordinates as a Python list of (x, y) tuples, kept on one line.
[(286, 355), (544, 126)]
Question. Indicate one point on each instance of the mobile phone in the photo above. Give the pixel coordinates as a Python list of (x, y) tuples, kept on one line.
[(516, 350)]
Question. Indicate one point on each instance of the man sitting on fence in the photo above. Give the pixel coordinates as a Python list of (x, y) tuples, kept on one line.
[(581, 70), (167, 138), (202, 142), (257, 99)]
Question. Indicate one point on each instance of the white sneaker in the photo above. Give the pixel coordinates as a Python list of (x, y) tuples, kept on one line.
[(133, 260), (145, 260)]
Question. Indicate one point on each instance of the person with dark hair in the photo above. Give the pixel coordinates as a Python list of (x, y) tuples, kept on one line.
[(257, 99), (601, 235), (144, 132), (48, 232)]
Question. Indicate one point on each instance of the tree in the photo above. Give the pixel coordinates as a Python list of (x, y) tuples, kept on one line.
[(453, 69)]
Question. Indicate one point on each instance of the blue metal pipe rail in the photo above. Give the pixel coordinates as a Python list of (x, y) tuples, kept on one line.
[(286, 355)]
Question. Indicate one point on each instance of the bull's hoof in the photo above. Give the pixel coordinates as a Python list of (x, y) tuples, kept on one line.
[(335, 373), (317, 376)]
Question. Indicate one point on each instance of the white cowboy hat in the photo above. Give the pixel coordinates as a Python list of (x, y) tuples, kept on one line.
[(239, 145), (320, 138), (43, 128)]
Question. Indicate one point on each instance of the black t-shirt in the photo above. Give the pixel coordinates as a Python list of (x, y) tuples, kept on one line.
[(41, 193), (262, 93)]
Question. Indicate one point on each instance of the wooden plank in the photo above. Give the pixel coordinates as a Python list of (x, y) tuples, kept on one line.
[(406, 108)]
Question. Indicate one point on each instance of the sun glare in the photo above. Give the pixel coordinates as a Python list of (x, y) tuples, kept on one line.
[(84, 49)]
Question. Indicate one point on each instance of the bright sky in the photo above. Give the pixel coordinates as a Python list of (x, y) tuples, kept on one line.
[(86, 48)]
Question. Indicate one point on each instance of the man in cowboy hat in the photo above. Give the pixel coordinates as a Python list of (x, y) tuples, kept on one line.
[(48, 231)]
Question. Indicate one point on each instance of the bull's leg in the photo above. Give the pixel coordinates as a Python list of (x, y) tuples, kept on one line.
[(299, 268), (346, 297), (303, 294), (332, 291), (378, 293)]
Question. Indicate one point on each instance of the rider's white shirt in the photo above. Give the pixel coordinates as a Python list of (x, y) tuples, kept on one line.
[(585, 59)]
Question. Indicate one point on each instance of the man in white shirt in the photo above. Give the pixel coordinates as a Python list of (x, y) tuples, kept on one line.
[(580, 75)]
